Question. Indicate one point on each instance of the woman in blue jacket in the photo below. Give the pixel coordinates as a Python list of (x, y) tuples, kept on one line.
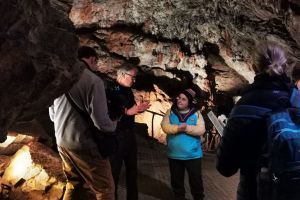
[(184, 125)]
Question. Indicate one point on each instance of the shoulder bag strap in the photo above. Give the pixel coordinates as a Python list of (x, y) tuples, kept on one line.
[(83, 114)]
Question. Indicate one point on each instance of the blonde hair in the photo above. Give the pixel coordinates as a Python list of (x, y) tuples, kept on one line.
[(271, 59)]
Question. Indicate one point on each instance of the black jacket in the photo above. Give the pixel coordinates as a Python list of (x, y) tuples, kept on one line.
[(243, 138), (119, 100)]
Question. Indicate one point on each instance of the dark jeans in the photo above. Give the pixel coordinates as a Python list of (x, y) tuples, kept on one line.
[(127, 153), (194, 170), (247, 188)]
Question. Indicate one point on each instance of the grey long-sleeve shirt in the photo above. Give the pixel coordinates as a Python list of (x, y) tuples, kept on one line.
[(71, 130)]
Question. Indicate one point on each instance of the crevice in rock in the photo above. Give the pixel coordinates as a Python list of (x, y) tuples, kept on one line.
[(87, 29), (136, 30), (170, 85), (210, 48), (217, 67), (295, 7)]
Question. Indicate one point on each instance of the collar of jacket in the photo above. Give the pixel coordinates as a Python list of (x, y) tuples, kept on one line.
[(266, 82), (183, 117)]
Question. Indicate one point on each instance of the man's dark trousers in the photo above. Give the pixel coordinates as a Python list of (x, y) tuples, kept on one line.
[(127, 153)]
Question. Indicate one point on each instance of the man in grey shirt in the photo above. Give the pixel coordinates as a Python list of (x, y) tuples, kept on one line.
[(82, 162)]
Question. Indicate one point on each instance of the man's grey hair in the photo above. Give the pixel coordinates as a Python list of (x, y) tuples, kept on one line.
[(125, 69), (270, 58)]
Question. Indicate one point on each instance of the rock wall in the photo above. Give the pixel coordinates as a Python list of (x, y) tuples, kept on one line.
[(30, 170), (38, 49)]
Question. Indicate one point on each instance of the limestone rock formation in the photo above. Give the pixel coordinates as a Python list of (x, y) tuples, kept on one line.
[(38, 49), (232, 26), (30, 170)]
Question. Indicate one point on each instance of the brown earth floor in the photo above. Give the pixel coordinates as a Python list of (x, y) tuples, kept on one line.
[(154, 177)]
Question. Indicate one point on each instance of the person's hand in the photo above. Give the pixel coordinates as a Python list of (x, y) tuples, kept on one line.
[(137, 108), (141, 107), (182, 127), (162, 139)]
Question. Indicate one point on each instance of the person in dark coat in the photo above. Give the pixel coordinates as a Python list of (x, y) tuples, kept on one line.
[(295, 91), (123, 100), (243, 139), (296, 75)]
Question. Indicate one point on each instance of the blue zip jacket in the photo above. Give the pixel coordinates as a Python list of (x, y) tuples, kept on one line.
[(182, 146)]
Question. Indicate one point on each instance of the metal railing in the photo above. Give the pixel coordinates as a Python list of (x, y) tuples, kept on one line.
[(152, 122)]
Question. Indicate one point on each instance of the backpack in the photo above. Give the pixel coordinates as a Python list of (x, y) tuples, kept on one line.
[(279, 165)]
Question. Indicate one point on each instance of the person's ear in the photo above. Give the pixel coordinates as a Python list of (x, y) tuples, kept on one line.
[(94, 60)]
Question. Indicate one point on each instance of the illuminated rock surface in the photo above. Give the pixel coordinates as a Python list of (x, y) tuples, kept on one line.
[(35, 167)]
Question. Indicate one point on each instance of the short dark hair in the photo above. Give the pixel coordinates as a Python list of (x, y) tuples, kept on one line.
[(86, 52)]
